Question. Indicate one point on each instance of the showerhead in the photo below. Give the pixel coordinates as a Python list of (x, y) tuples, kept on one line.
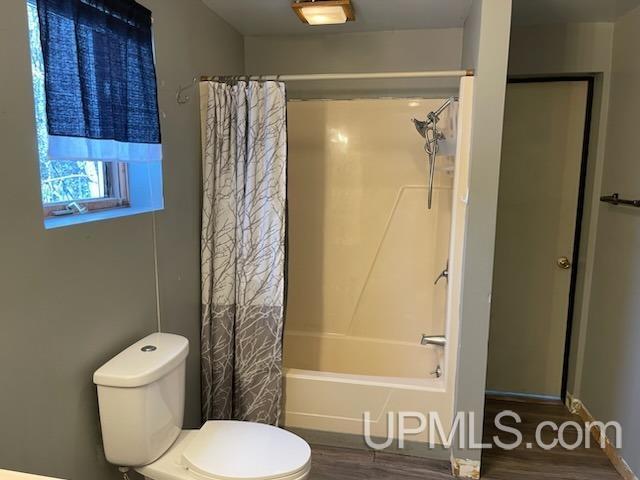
[(421, 127)]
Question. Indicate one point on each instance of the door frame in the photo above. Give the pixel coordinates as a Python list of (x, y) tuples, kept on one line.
[(590, 80)]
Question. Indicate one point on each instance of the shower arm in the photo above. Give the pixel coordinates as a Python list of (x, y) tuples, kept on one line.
[(436, 115)]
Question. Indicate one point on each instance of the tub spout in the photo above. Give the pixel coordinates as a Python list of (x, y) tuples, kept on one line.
[(437, 340)]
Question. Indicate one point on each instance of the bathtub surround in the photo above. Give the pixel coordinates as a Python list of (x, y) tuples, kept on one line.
[(72, 297), (347, 351), (359, 233), (243, 250)]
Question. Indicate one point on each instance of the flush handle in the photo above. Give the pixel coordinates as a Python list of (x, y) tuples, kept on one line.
[(564, 263)]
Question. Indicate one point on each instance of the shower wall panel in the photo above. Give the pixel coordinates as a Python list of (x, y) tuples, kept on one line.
[(364, 250)]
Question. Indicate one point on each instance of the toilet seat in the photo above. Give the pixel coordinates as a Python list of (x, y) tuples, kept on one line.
[(231, 450)]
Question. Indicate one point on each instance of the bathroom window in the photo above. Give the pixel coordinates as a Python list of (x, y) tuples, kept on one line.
[(91, 170)]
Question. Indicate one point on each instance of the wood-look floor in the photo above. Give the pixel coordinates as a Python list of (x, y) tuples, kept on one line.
[(331, 463)]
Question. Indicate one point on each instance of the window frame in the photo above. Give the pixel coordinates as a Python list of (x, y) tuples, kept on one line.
[(116, 184)]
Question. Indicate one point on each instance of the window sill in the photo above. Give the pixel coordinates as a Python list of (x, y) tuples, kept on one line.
[(69, 220)]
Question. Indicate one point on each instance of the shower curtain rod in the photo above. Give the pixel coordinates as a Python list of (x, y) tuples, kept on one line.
[(344, 76), (183, 98)]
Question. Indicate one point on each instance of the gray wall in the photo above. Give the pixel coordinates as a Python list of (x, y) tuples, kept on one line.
[(486, 47), (73, 297), (610, 382), (560, 49), (392, 51)]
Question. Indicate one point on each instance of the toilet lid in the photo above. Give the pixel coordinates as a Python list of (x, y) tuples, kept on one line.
[(230, 450)]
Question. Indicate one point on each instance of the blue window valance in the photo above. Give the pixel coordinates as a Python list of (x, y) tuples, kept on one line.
[(100, 80)]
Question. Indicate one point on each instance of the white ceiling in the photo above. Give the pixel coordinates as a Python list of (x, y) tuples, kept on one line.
[(275, 17)]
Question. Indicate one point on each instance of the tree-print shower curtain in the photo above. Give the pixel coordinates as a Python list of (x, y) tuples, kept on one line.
[(243, 250)]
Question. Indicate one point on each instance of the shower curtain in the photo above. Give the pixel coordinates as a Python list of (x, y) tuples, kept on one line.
[(243, 250)]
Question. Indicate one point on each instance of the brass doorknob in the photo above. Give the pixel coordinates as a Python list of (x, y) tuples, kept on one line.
[(564, 263)]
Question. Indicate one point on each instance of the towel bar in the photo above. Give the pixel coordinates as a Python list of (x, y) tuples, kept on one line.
[(616, 200)]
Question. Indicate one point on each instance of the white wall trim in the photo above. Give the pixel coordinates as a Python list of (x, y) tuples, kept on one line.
[(465, 468), (577, 407)]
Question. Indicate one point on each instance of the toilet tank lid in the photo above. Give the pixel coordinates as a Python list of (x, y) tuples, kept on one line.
[(143, 362)]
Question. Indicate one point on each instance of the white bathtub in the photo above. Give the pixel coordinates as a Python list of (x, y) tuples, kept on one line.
[(360, 355), (7, 475), (333, 403), (337, 379)]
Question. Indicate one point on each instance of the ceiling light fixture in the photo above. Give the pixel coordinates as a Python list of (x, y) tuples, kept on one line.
[(324, 12)]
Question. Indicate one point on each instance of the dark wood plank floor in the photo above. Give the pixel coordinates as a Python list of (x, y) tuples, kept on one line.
[(331, 463), (536, 463)]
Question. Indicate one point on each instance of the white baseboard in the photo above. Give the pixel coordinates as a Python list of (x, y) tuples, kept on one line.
[(577, 407), (462, 468)]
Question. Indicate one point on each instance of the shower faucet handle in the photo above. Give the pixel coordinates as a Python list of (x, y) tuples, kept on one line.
[(444, 274)]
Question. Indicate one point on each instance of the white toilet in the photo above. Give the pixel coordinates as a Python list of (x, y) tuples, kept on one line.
[(141, 399)]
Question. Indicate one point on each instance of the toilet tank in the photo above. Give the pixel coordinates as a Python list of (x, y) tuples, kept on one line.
[(141, 399)]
